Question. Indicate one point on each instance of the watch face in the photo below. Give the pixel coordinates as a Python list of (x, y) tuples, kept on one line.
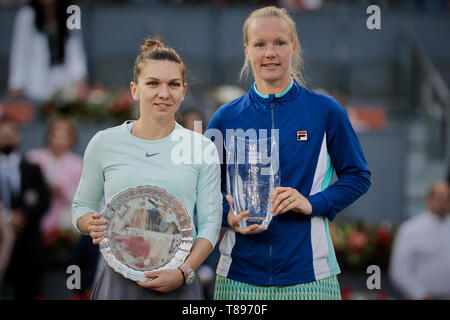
[(148, 229)]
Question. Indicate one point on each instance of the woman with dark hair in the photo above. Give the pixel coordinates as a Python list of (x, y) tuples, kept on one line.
[(118, 158), (45, 56), (62, 170)]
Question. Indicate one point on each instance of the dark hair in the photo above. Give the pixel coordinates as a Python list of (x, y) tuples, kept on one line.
[(6, 119), (154, 49), (71, 124), (58, 40)]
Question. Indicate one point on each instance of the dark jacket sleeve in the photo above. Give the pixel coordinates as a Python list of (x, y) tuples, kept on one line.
[(35, 198)]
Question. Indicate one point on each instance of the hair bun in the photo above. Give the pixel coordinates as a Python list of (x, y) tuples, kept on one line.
[(150, 44)]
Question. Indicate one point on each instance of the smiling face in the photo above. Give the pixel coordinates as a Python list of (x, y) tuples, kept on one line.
[(270, 50), (160, 89)]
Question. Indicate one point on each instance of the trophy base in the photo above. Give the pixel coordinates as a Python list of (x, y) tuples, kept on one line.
[(255, 219), (249, 221)]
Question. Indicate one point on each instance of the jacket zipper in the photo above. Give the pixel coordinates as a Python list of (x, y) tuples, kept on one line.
[(272, 108)]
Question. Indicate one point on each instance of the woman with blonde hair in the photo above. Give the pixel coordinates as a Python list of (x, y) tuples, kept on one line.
[(118, 158), (294, 257)]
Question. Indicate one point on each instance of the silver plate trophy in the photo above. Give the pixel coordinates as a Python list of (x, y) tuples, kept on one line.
[(252, 175), (147, 229)]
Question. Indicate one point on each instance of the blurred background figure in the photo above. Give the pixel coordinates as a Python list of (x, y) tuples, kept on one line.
[(7, 239), (296, 5), (420, 261), (45, 56), (189, 116), (25, 198), (62, 169)]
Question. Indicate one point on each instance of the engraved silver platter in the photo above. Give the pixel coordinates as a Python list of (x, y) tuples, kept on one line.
[(147, 229)]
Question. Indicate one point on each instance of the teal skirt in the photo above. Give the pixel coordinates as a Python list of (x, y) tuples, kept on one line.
[(324, 289)]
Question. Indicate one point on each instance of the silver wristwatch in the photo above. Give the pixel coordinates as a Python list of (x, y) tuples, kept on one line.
[(190, 274)]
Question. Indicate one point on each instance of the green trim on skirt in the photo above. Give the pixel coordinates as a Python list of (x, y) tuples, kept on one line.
[(324, 289)]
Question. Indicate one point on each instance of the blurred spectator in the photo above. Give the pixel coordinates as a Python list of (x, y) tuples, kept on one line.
[(7, 239), (420, 261), (62, 169), (45, 56), (12, 2), (188, 118), (297, 5), (448, 174), (25, 198)]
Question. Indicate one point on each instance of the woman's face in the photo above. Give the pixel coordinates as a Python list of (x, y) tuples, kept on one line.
[(160, 89), (270, 50), (60, 137)]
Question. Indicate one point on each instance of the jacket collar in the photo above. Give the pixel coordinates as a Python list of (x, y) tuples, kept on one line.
[(263, 101)]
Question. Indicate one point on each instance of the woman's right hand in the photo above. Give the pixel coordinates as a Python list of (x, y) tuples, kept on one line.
[(233, 220), (97, 227)]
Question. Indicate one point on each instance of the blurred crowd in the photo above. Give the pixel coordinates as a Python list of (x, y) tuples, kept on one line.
[(294, 5), (38, 186)]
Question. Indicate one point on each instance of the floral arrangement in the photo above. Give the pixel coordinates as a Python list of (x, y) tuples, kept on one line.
[(58, 247), (92, 104), (360, 244)]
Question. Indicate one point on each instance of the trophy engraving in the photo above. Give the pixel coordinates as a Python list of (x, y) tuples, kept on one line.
[(148, 229), (252, 175)]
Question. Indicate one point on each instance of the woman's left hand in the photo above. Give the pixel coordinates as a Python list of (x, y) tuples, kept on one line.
[(163, 281), (284, 199)]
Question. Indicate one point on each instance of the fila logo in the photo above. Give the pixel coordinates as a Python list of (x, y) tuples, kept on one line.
[(302, 135)]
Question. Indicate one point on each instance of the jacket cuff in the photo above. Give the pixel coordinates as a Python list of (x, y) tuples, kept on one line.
[(320, 207), (77, 215)]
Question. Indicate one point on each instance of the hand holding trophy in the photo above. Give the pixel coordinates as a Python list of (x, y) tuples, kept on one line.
[(234, 220), (252, 175)]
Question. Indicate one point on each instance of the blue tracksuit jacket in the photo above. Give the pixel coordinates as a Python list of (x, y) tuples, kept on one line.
[(296, 248)]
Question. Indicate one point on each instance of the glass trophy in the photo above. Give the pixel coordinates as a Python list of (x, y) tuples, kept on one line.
[(252, 175), (147, 229)]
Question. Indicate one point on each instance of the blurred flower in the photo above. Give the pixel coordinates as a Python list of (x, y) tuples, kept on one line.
[(58, 246), (357, 240), (123, 102), (97, 96), (383, 235), (360, 244), (91, 103)]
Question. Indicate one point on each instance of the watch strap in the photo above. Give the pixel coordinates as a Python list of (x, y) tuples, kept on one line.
[(184, 277)]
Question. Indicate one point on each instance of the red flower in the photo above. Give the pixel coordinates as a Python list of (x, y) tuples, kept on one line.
[(357, 240), (123, 102), (383, 236)]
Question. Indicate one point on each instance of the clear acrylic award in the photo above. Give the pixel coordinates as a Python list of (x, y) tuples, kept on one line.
[(147, 229), (252, 175)]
